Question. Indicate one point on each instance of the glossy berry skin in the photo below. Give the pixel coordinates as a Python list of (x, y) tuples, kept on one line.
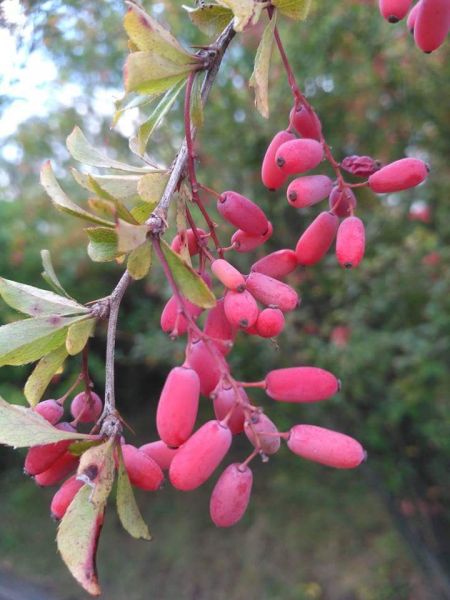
[(241, 309), (299, 156), (160, 453), (228, 275), (399, 175), (308, 190), (51, 410), (432, 24), (173, 321), (224, 400), (64, 496), (350, 242), (191, 241), (394, 10), (277, 264), (270, 322), (255, 428), (301, 384), (143, 471), (411, 20), (271, 175), (272, 292), (317, 239), (205, 365), (218, 327), (61, 467), (306, 122), (342, 202), (86, 407), (199, 457), (326, 447), (242, 213), (178, 406), (40, 458), (245, 242), (231, 495)]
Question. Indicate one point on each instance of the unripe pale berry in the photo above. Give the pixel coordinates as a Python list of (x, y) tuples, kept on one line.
[(61, 467), (270, 322), (199, 457), (178, 406), (204, 363), (231, 495), (245, 242), (40, 458), (308, 190), (160, 453), (86, 407), (277, 264), (51, 410), (399, 175), (301, 384), (241, 309), (272, 292), (350, 242), (143, 471), (242, 213), (325, 446), (394, 10), (316, 239), (306, 122), (432, 24), (342, 201), (189, 239), (218, 327), (224, 400), (271, 174), (299, 156), (228, 275), (256, 427), (64, 496)]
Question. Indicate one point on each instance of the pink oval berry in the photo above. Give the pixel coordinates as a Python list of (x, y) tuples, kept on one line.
[(317, 239), (432, 24), (259, 429), (242, 213), (189, 238), (301, 384), (241, 309), (231, 495), (173, 321), (160, 453), (299, 156), (277, 264), (394, 10), (219, 329), (199, 457), (399, 175), (86, 407), (270, 322), (306, 122), (342, 201), (40, 458), (411, 20), (228, 275), (51, 410), (61, 467), (205, 364), (272, 292), (271, 174), (224, 401), (245, 242), (308, 190), (350, 242), (326, 447), (64, 496), (143, 471)]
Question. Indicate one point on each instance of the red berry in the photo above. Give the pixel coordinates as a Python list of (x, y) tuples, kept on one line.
[(142, 470), (64, 496), (245, 242), (198, 458), (242, 213), (40, 458), (350, 242), (60, 468), (160, 453), (178, 406), (394, 10), (231, 495), (204, 363), (51, 410), (189, 238), (316, 239), (218, 327), (86, 407), (228, 275), (255, 429), (299, 156), (277, 264), (241, 309), (272, 292), (325, 446), (308, 190), (271, 174), (270, 322), (306, 122), (432, 24), (173, 321), (411, 21), (361, 166), (224, 400), (301, 384), (399, 175), (342, 201)]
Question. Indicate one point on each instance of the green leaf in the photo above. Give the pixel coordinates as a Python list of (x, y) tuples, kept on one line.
[(294, 9), (190, 283), (62, 201), (127, 509), (102, 245), (140, 261), (260, 76), (78, 335), (162, 108), (81, 150), (78, 448), (130, 101), (149, 73), (149, 35), (123, 187), (77, 539), (130, 236), (197, 116), (246, 12), (143, 210), (36, 302), (211, 19), (49, 274), (42, 374), (151, 186), (97, 469), (22, 427), (120, 209)]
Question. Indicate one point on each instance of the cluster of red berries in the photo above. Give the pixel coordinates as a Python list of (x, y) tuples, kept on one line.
[(428, 20)]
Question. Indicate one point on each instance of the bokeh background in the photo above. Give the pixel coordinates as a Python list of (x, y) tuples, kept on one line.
[(380, 532)]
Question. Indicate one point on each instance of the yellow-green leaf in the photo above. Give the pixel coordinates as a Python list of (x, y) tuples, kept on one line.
[(151, 186), (97, 470), (123, 187), (102, 245), (260, 76), (127, 509), (119, 208), (42, 374), (78, 448), (78, 335), (143, 210), (149, 73), (140, 261), (294, 9), (197, 116), (211, 19), (130, 236), (246, 12)]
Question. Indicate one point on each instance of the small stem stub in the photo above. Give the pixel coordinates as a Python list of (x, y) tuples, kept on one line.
[(111, 426)]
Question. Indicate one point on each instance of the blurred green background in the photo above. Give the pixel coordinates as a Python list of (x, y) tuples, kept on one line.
[(378, 533)]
